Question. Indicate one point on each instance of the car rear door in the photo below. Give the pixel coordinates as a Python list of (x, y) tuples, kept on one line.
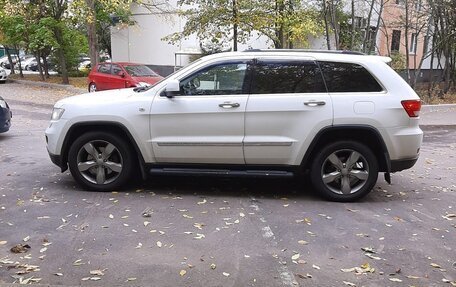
[(287, 106), (204, 123)]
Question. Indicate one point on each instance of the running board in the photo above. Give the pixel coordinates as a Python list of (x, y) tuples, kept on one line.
[(220, 172)]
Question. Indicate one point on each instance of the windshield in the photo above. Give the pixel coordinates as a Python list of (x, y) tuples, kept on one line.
[(140, 71)]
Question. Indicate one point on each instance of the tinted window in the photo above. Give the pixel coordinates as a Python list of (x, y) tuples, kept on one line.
[(116, 69), (104, 68), (222, 79), (346, 77), (278, 77)]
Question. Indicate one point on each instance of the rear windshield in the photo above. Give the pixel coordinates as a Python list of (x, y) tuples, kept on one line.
[(140, 71), (348, 77)]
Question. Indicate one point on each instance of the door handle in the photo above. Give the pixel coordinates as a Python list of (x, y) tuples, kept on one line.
[(315, 103), (229, 105)]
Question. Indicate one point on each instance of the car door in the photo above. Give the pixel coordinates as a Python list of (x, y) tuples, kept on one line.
[(117, 80), (287, 106), (204, 122), (103, 76)]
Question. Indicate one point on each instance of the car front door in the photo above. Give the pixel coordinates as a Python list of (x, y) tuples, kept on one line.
[(287, 106), (204, 122), (103, 76), (118, 78)]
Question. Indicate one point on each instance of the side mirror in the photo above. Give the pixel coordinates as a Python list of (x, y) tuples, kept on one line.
[(172, 88), (121, 74)]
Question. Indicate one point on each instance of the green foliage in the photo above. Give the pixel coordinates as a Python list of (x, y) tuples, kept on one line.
[(214, 21), (398, 61), (74, 44)]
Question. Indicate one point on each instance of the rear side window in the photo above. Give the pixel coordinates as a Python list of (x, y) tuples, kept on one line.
[(282, 77), (347, 77)]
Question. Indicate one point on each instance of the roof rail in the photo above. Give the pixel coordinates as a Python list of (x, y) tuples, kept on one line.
[(307, 51)]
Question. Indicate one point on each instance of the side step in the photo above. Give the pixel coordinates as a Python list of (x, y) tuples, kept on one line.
[(220, 172)]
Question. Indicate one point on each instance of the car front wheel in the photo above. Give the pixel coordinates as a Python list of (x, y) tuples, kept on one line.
[(100, 161), (344, 171)]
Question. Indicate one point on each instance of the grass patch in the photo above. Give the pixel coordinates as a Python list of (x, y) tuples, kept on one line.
[(78, 82)]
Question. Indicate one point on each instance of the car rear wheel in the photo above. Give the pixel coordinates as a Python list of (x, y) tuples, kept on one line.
[(344, 171), (92, 87), (100, 161)]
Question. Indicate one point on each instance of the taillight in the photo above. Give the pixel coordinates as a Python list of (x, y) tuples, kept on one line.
[(412, 107)]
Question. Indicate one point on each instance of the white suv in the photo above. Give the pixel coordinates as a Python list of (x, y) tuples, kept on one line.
[(341, 117)]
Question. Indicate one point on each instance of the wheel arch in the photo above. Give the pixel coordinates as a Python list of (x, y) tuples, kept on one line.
[(105, 126), (366, 135)]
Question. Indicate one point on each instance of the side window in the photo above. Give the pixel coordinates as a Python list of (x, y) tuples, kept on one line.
[(221, 79), (346, 77), (279, 77), (104, 68), (116, 69)]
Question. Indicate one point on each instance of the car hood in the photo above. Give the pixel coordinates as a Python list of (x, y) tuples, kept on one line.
[(97, 98), (149, 80)]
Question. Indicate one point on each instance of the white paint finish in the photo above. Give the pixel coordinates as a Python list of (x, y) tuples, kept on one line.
[(198, 119), (364, 107)]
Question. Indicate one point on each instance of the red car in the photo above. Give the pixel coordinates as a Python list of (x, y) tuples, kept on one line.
[(108, 76)]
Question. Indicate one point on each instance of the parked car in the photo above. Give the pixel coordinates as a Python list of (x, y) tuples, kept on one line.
[(5, 116), (3, 75), (26, 63), (4, 61), (33, 65), (108, 76), (338, 116), (85, 66)]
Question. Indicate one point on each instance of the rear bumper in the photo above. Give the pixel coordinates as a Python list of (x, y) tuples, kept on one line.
[(401, 164)]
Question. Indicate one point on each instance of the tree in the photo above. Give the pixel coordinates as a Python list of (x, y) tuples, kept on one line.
[(218, 22)]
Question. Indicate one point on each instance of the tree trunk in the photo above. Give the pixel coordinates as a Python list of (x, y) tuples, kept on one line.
[(40, 68), (61, 55), (279, 29), (352, 36), (92, 34), (325, 17), (366, 41), (19, 63), (377, 27), (235, 26), (10, 60), (45, 66), (407, 53)]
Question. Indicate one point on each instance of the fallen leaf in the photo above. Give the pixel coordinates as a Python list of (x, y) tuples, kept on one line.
[(159, 244), (95, 278), (303, 242), (316, 267), (226, 274), (349, 284), (435, 265), (58, 274), (395, 279), (111, 216), (201, 202), (43, 249), (146, 223), (20, 248), (26, 239), (213, 266), (187, 216), (3, 242), (131, 279), (97, 272), (295, 256), (182, 272)]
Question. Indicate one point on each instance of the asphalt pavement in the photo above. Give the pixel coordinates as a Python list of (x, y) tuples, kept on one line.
[(173, 231)]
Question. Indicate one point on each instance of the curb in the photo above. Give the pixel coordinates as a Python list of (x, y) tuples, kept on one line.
[(49, 85)]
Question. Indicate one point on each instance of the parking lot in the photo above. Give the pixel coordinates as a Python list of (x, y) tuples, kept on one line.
[(199, 231)]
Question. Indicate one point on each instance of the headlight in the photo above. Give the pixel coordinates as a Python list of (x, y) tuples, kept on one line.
[(143, 84), (57, 114), (3, 104)]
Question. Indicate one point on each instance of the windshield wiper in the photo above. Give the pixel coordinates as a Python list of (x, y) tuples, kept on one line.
[(141, 89)]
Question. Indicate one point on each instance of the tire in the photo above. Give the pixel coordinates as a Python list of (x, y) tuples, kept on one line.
[(92, 87), (94, 168), (344, 171)]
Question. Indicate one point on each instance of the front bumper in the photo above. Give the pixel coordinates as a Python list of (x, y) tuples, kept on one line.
[(401, 164), (57, 160), (5, 120)]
